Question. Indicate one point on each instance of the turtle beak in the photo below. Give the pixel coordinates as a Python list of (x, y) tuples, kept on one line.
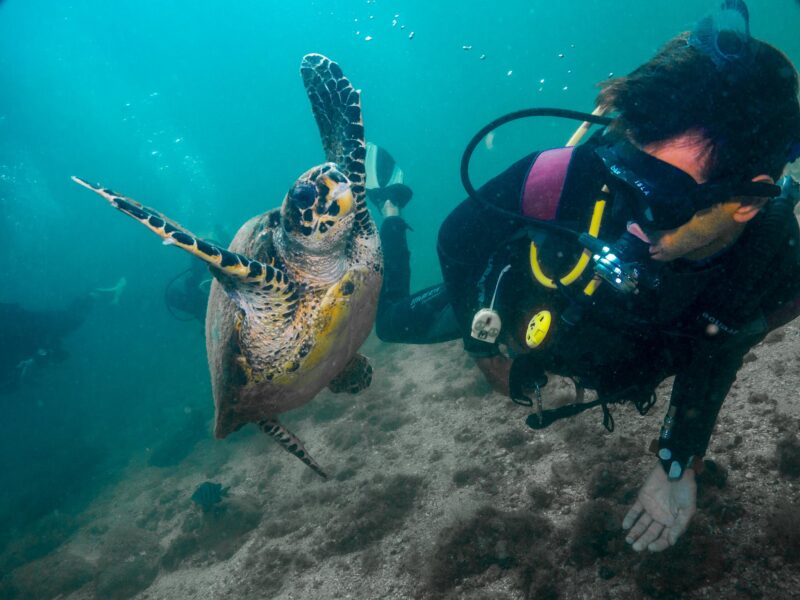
[(340, 194)]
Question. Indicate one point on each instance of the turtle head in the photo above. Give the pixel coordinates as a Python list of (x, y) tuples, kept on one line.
[(318, 211)]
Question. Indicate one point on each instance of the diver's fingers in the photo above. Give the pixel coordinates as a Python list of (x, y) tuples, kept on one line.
[(639, 528), (663, 541), (632, 515), (650, 535)]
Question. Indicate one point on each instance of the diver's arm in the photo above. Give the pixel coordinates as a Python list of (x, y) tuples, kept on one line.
[(667, 500), (700, 389), (698, 393)]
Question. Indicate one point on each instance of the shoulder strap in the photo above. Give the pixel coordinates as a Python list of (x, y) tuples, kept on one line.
[(544, 184)]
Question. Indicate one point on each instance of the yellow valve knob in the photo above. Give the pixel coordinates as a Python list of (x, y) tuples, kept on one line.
[(538, 328)]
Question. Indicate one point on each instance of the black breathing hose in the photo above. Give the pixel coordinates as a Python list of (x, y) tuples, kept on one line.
[(521, 114)]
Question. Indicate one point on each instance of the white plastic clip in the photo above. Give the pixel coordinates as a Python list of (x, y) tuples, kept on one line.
[(486, 325)]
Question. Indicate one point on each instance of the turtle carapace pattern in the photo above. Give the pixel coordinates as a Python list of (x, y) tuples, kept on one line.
[(295, 294)]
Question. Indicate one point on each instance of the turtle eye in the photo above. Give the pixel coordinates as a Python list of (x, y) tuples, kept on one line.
[(303, 195)]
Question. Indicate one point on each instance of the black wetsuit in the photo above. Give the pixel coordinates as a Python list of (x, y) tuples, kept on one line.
[(612, 341), (425, 317)]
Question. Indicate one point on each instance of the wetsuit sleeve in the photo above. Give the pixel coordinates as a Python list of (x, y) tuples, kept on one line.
[(698, 393), (469, 237), (701, 387)]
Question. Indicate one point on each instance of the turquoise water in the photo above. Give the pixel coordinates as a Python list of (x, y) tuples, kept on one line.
[(197, 108)]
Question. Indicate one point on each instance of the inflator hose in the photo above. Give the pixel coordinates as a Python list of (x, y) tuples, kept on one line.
[(514, 116)]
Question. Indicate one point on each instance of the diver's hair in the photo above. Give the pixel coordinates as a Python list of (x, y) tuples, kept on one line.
[(748, 112)]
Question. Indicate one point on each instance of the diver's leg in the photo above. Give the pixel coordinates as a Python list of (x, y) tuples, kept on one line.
[(425, 317), (396, 257), (422, 318)]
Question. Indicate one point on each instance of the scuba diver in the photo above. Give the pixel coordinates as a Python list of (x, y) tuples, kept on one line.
[(32, 338), (660, 247)]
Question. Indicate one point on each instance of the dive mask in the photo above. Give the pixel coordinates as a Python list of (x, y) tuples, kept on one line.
[(663, 197)]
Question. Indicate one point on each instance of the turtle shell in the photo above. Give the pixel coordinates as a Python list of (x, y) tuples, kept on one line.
[(331, 325)]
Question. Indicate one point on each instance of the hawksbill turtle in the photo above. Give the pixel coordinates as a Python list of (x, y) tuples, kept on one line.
[(295, 294)]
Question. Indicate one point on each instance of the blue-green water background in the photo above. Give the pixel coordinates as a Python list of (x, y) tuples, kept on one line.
[(197, 108)]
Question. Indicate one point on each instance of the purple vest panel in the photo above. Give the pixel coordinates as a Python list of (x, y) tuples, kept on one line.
[(544, 184)]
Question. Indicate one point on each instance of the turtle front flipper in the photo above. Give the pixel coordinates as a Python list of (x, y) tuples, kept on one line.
[(290, 443), (231, 264), (354, 378), (337, 109)]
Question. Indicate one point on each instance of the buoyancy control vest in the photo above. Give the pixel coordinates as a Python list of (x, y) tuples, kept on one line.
[(541, 199)]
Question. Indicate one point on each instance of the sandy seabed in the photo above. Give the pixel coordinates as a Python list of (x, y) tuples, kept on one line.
[(438, 489)]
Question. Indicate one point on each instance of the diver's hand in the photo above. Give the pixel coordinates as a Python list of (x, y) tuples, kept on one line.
[(496, 369), (662, 511)]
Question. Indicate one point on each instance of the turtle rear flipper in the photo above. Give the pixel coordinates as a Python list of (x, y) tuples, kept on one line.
[(228, 267), (354, 378), (291, 443)]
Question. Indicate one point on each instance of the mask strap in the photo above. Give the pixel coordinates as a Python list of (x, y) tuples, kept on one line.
[(709, 194), (760, 189)]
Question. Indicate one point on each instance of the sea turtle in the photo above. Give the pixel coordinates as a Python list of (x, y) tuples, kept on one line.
[(295, 294)]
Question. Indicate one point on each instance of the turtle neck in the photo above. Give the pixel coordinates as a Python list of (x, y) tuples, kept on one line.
[(322, 268)]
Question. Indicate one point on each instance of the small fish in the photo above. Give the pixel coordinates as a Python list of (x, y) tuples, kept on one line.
[(209, 494)]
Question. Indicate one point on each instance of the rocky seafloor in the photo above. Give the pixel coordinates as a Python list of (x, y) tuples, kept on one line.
[(438, 489)]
